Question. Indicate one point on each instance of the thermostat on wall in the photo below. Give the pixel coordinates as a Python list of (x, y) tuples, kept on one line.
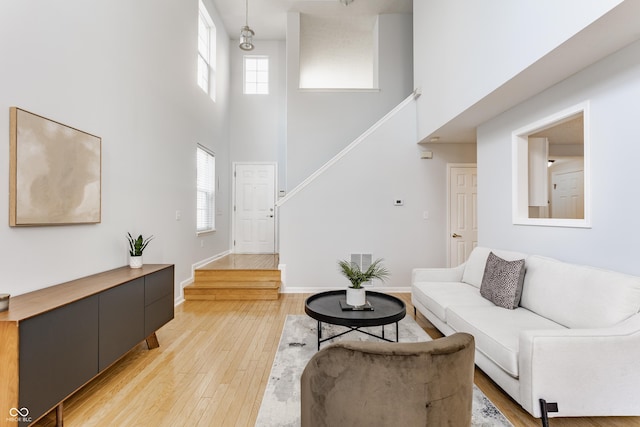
[(398, 202)]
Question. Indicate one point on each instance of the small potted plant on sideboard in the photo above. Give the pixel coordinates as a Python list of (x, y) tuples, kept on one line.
[(136, 247), (356, 295)]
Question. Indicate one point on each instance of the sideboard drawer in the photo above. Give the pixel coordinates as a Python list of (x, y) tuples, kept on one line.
[(158, 285)]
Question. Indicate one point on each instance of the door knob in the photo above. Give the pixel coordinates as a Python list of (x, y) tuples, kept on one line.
[(455, 235), (269, 216)]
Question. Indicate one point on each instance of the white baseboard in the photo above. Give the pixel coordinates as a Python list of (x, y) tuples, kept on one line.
[(180, 298)]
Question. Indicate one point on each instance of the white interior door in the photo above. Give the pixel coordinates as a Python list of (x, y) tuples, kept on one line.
[(567, 195), (463, 212), (254, 203)]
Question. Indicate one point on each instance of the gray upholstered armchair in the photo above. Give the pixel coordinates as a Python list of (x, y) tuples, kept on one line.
[(355, 383)]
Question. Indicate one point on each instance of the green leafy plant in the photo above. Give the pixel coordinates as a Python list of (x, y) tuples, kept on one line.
[(137, 246), (357, 277)]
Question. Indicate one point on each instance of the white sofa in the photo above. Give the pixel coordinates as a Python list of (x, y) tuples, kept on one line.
[(574, 339)]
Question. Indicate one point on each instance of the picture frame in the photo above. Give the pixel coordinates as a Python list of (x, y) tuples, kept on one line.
[(55, 172)]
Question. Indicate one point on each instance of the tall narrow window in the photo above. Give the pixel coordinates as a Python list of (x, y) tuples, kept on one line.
[(206, 194), (206, 52), (256, 75)]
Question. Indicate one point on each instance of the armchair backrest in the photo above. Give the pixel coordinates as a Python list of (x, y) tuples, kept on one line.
[(363, 383)]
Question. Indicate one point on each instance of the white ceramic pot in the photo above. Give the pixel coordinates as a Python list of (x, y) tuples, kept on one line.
[(135, 261), (4, 302), (356, 297)]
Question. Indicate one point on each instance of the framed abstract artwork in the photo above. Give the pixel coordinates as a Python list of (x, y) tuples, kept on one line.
[(54, 172)]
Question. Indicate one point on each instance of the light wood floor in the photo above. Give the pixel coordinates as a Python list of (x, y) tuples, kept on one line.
[(244, 262), (212, 368)]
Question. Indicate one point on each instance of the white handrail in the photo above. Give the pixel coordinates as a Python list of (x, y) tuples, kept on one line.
[(414, 95)]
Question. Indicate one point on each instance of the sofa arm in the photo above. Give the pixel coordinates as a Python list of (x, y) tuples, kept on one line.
[(437, 274), (588, 372)]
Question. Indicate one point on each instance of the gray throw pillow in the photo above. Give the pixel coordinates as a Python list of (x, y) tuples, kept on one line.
[(502, 281)]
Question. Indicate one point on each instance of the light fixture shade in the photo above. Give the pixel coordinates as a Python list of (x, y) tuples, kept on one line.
[(246, 38)]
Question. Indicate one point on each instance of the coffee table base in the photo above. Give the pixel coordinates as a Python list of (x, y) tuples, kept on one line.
[(351, 329)]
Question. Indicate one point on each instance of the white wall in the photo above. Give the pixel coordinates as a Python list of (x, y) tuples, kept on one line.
[(466, 50), (321, 123), (612, 86), (258, 121), (124, 71), (349, 209)]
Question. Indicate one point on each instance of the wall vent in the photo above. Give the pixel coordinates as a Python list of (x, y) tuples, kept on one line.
[(364, 262)]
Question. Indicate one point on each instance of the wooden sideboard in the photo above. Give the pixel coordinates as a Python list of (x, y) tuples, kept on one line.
[(55, 340)]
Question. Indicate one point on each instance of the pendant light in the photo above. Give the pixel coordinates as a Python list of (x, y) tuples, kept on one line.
[(246, 33)]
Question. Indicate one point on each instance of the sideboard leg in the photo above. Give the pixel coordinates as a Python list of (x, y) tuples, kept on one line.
[(59, 415), (152, 341)]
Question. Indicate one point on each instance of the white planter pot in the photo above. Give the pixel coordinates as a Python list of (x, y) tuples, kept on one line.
[(135, 261), (356, 297)]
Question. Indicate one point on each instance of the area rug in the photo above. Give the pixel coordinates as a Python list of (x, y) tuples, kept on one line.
[(298, 343)]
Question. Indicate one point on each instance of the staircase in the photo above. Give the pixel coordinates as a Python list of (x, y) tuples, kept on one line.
[(237, 277)]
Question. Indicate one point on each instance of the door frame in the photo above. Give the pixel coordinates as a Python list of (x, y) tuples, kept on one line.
[(448, 209), (276, 233)]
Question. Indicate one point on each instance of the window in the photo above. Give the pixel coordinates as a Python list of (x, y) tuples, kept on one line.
[(551, 178), (206, 52), (206, 197), (256, 75)]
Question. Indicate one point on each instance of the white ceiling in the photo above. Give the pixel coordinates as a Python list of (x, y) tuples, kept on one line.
[(268, 18), (567, 132)]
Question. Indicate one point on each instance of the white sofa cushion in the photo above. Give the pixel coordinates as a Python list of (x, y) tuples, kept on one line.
[(497, 330), (578, 296), (475, 264), (437, 296)]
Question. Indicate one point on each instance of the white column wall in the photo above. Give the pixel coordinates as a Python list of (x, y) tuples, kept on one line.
[(349, 209)]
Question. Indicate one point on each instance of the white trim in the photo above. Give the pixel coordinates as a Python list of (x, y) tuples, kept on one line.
[(348, 148), (179, 299), (520, 178), (448, 191)]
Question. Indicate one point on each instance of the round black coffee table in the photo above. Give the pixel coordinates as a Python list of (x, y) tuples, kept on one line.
[(326, 307)]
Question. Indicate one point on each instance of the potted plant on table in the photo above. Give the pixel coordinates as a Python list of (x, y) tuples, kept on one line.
[(356, 295), (136, 247)]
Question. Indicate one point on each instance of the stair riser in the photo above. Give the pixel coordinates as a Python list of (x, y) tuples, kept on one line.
[(237, 276), (230, 294)]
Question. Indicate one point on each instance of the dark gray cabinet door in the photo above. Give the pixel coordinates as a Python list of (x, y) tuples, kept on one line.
[(58, 354), (121, 321), (158, 292)]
